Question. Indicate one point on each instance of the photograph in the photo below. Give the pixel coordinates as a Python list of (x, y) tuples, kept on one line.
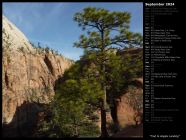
[(72, 69)]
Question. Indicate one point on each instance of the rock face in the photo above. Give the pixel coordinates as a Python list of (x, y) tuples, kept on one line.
[(130, 105), (28, 76)]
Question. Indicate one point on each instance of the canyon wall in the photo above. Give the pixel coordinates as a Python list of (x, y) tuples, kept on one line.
[(28, 77)]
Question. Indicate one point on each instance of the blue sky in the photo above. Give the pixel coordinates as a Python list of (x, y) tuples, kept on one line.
[(52, 23)]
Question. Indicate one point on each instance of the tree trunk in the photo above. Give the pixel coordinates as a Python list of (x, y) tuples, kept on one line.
[(115, 116), (104, 132)]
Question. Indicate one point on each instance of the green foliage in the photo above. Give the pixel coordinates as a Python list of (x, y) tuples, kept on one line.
[(73, 122), (79, 86), (100, 24), (70, 118), (133, 65), (6, 41), (72, 107), (40, 49), (47, 90), (8, 59), (91, 15), (21, 49), (47, 49)]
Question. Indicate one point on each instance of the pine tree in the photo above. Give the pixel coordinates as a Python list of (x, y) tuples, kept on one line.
[(106, 31)]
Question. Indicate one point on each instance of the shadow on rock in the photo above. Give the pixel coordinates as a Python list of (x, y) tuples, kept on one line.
[(24, 120)]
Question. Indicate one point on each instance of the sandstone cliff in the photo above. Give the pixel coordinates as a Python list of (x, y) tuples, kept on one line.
[(28, 75)]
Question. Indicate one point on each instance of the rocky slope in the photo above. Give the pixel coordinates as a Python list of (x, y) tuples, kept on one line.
[(28, 75)]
